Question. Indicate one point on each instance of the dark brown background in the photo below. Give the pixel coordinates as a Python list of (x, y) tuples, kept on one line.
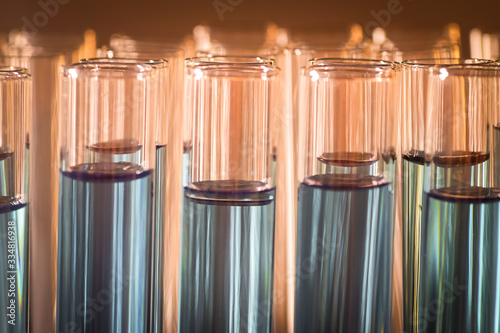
[(177, 17)]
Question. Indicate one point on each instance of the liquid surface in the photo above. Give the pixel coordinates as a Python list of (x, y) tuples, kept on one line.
[(357, 163), (348, 158), (105, 245), (125, 150), (344, 254), (227, 250), (460, 169), (460, 262)]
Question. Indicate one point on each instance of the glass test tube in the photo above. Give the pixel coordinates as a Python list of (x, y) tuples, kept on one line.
[(459, 232), (228, 218), (169, 163), (15, 97), (159, 109), (285, 200), (345, 202), (44, 182), (106, 216), (291, 60), (415, 75)]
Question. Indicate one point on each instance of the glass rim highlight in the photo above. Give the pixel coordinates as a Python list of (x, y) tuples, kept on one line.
[(13, 72), (350, 68), (446, 62), (96, 66), (231, 69), (229, 60), (125, 60)]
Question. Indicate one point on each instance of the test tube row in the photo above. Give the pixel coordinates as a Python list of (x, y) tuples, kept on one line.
[(276, 185)]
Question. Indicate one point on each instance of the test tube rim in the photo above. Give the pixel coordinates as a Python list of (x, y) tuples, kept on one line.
[(210, 61), (262, 71), (110, 68), (434, 62), (13, 72), (354, 68), (157, 63), (349, 63)]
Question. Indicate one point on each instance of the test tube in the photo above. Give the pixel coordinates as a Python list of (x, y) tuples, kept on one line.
[(15, 97), (107, 147), (227, 234), (459, 233), (171, 157), (44, 183), (414, 119), (281, 158), (291, 60), (159, 92), (345, 214)]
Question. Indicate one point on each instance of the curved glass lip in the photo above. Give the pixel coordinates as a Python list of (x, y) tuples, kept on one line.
[(360, 67), (452, 62), (464, 67), (253, 71), (13, 72), (158, 63), (110, 65), (350, 63), (261, 67), (229, 60)]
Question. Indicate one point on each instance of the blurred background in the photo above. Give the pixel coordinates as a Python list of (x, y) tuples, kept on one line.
[(171, 19)]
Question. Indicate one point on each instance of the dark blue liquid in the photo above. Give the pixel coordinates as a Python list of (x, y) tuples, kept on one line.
[(344, 254), (227, 250), (105, 249), (459, 281)]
